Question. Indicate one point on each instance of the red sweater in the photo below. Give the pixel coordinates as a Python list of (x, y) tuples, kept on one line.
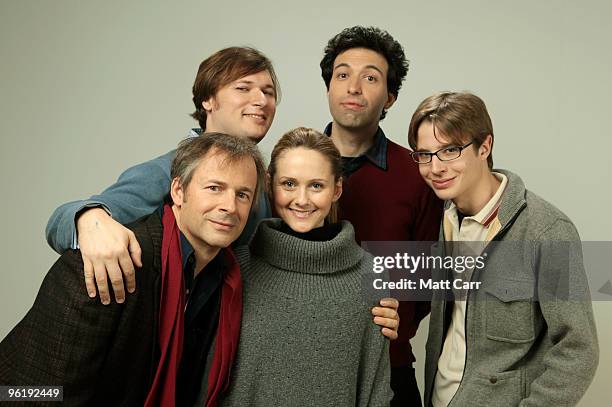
[(395, 204)]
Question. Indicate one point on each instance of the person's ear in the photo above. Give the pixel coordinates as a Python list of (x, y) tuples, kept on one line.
[(390, 101), (337, 190), (484, 151), (176, 192), (209, 104)]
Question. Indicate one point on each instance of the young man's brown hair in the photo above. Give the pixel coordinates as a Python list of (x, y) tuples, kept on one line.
[(459, 117), (226, 66)]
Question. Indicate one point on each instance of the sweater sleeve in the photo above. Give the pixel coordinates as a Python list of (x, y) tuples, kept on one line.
[(138, 191), (570, 364), (375, 371)]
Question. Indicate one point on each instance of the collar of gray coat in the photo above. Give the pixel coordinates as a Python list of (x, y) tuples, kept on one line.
[(513, 199)]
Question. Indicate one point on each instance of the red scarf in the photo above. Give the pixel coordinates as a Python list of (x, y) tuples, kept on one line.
[(171, 322), (228, 331)]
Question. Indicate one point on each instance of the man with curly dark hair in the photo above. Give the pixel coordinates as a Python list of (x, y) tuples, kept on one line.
[(375, 40), (384, 196)]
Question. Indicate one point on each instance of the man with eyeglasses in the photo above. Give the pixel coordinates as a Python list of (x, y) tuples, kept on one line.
[(527, 337)]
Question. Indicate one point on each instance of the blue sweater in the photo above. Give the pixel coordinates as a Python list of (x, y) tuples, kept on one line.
[(139, 191)]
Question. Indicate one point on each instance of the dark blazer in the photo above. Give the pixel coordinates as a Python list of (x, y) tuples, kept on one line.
[(101, 354)]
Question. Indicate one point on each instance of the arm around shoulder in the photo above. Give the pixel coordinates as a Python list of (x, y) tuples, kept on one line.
[(138, 191)]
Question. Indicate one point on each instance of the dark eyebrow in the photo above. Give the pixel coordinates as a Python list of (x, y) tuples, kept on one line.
[(224, 184), (420, 150), (345, 65)]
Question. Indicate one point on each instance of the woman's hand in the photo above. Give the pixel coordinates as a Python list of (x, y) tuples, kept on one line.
[(387, 317)]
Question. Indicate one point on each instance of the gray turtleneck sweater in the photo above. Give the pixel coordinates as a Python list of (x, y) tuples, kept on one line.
[(307, 336)]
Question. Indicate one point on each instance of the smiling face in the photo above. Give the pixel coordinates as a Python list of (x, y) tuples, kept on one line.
[(460, 180), (214, 207), (358, 91), (243, 108), (304, 188)]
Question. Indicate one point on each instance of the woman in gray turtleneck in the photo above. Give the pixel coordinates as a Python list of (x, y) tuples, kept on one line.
[(307, 337)]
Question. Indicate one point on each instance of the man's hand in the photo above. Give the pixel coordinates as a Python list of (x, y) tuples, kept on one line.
[(108, 249), (387, 317)]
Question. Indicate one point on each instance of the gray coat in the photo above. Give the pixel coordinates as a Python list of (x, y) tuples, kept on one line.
[(530, 332)]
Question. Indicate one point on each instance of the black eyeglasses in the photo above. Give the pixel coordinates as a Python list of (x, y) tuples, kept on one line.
[(443, 154)]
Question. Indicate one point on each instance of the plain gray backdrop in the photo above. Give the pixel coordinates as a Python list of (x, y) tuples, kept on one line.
[(89, 88)]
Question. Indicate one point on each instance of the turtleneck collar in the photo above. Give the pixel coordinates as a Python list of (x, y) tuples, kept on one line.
[(288, 252), (321, 234)]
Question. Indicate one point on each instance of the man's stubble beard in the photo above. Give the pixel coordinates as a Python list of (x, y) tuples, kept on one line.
[(355, 122)]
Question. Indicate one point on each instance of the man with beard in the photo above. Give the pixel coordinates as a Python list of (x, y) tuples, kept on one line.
[(384, 196)]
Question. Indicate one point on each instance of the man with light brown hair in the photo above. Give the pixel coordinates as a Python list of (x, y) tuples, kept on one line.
[(527, 336), (153, 349)]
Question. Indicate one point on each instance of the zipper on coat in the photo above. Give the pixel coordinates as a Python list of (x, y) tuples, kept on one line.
[(496, 238)]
